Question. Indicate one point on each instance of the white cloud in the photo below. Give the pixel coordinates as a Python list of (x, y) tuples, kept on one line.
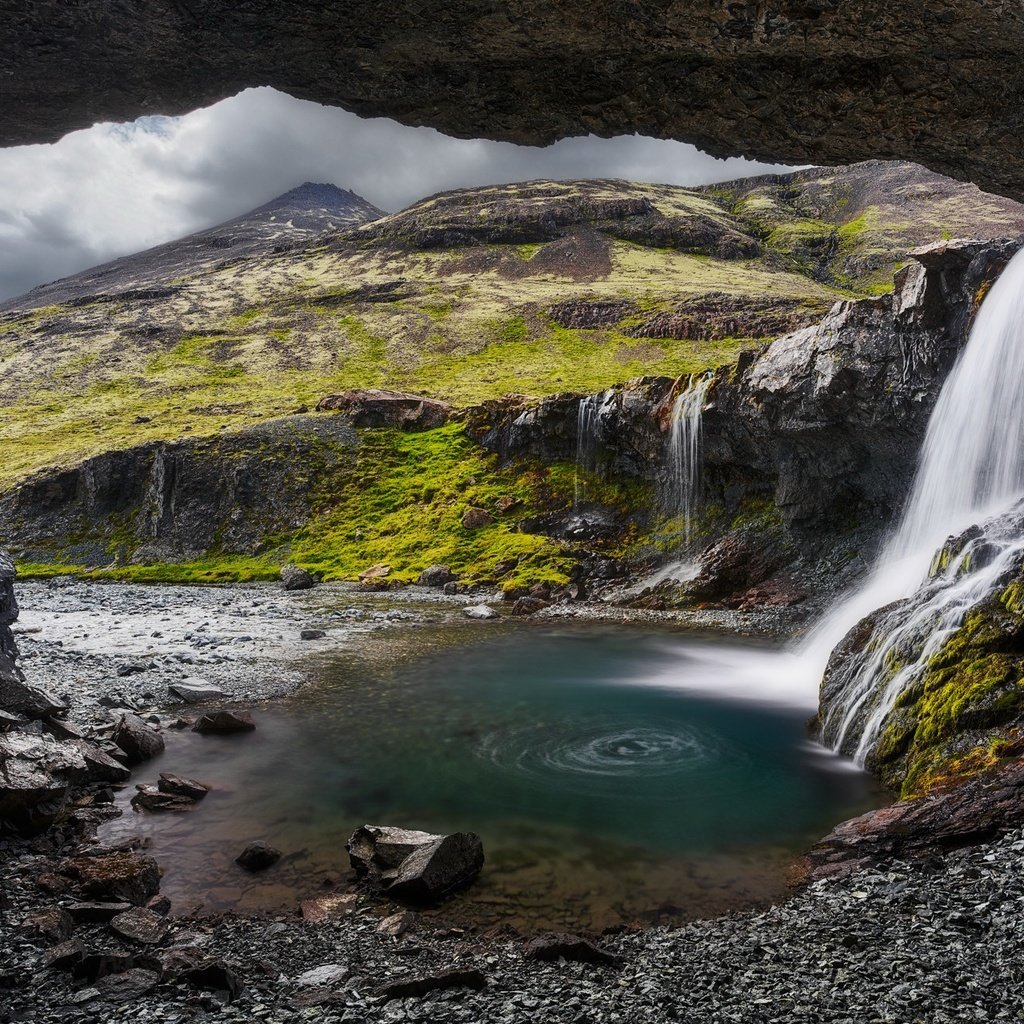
[(117, 188)]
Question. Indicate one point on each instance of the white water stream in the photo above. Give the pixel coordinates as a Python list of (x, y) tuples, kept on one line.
[(971, 468), (591, 418)]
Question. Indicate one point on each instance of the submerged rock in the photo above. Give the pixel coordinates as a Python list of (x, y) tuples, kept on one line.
[(258, 856), (417, 866)]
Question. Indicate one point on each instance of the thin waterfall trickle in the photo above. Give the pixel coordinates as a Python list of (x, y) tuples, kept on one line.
[(684, 454), (591, 417), (972, 467)]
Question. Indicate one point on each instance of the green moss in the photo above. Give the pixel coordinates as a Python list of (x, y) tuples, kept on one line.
[(957, 713), (401, 505)]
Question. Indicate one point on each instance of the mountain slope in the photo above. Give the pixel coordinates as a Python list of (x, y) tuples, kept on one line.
[(538, 288), (293, 219)]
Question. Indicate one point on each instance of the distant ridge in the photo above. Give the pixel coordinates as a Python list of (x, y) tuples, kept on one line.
[(292, 219)]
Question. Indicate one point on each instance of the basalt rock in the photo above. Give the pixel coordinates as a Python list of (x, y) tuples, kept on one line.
[(181, 499), (373, 407), (797, 82), (139, 741), (224, 722), (415, 866), (293, 577), (963, 814), (258, 856)]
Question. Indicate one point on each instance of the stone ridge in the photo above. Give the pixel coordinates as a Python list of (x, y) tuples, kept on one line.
[(793, 81)]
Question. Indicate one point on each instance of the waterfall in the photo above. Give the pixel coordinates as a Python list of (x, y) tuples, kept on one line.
[(591, 417), (684, 453), (971, 468)]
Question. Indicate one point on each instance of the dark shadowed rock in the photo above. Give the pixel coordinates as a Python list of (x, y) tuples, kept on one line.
[(415, 866), (564, 946), (372, 407), (312, 634), (423, 984), (97, 911), (224, 722), (140, 925), (258, 856), (139, 741), (159, 904), (98, 766), (295, 578), (19, 697), (436, 576), (216, 976)]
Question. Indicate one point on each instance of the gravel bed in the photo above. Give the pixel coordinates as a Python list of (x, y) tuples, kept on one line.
[(935, 944)]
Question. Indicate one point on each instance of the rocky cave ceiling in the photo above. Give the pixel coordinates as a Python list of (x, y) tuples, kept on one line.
[(795, 81)]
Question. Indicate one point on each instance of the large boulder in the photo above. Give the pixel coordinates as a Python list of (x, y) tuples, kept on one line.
[(374, 407), (294, 577), (416, 866)]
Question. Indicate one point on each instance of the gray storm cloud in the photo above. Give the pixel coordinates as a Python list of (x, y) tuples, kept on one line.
[(115, 189)]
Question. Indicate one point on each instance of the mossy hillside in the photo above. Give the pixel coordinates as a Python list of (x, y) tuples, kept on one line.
[(274, 331), (402, 505), (967, 707)]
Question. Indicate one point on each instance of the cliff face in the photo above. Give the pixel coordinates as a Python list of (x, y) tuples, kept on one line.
[(797, 81), (8, 614), (179, 501), (813, 439)]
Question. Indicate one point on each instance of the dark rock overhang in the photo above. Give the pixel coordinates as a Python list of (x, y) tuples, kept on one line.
[(797, 81)]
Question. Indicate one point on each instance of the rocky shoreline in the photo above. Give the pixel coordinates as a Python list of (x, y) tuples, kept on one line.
[(872, 938), (898, 943)]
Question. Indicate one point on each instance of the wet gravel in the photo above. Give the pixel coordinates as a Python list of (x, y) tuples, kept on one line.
[(933, 944)]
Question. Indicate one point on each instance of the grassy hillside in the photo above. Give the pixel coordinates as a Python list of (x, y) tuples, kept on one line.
[(533, 288)]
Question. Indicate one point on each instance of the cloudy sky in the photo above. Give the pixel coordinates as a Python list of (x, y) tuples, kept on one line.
[(117, 188)]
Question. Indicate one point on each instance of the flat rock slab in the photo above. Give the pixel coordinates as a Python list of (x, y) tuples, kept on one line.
[(178, 785), (135, 982), (140, 925), (224, 722), (322, 977), (565, 946), (114, 877), (150, 798), (195, 691), (96, 912), (424, 984)]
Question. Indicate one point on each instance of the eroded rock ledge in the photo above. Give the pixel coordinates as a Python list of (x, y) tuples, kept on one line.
[(793, 80)]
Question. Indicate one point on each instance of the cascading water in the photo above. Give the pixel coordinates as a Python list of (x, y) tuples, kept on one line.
[(684, 449), (972, 467), (591, 417)]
